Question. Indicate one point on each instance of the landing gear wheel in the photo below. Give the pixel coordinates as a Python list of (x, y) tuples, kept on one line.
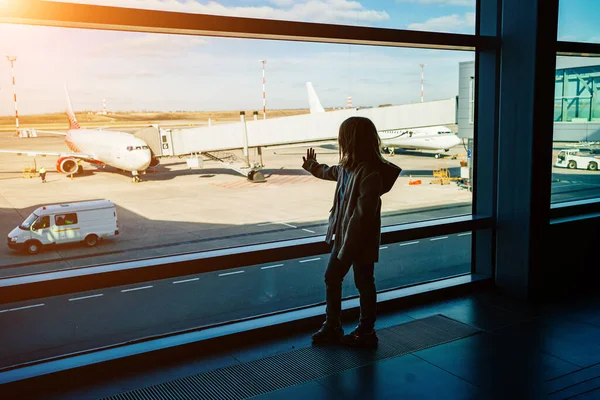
[(33, 247), (91, 240), (572, 165), (136, 179)]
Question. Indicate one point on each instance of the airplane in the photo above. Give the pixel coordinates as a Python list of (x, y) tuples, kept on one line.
[(436, 138), (128, 152), (121, 150)]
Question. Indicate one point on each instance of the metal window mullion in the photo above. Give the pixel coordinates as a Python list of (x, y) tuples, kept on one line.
[(578, 49), (152, 21), (485, 138), (527, 79)]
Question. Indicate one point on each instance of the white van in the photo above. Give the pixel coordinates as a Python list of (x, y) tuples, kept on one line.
[(86, 221)]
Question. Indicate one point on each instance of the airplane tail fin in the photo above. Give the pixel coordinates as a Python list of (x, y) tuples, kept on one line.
[(73, 124), (313, 100)]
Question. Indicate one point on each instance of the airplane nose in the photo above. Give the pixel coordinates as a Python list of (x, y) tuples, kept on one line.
[(145, 160)]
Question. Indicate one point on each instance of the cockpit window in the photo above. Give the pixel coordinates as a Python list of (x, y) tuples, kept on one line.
[(131, 148)]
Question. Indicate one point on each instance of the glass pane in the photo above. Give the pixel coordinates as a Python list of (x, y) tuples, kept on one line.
[(181, 96), (466, 119), (576, 153), (91, 320), (577, 21), (455, 16)]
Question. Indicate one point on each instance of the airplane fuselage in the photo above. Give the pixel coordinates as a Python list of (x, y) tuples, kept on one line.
[(118, 149), (435, 138)]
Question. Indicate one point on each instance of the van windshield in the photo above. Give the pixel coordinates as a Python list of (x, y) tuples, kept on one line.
[(26, 225)]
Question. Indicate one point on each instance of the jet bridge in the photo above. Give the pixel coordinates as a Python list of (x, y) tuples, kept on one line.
[(216, 140)]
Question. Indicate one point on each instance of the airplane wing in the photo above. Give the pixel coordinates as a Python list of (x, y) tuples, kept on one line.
[(51, 132), (35, 153)]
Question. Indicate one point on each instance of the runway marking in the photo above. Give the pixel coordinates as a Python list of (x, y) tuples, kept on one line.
[(408, 244), (383, 248), (439, 238), (86, 297), (22, 308), (290, 225), (231, 273), (308, 230), (137, 288), (278, 223), (272, 266), (311, 259), (186, 280), (464, 234)]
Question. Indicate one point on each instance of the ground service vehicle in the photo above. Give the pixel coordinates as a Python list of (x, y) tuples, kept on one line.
[(579, 159), (87, 222)]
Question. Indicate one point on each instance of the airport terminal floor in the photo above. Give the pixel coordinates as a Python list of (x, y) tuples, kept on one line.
[(479, 346)]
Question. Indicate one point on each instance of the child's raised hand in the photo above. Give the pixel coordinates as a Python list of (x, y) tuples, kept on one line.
[(310, 155)]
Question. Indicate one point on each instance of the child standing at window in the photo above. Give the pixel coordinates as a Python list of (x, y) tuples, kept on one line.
[(362, 177)]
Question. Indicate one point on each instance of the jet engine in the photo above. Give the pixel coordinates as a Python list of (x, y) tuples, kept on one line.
[(67, 165)]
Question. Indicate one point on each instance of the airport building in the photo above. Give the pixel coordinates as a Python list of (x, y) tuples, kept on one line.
[(576, 99)]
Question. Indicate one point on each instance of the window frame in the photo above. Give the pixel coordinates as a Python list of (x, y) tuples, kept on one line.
[(575, 208), (71, 15)]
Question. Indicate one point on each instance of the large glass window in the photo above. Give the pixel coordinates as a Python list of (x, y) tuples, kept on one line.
[(455, 16), (577, 21), (576, 149), (176, 101)]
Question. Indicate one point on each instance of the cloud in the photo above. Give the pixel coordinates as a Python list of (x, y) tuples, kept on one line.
[(466, 3), (448, 23), (142, 73), (331, 11), (151, 45), (282, 3)]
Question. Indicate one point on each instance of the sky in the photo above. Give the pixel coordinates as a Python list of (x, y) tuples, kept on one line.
[(159, 72)]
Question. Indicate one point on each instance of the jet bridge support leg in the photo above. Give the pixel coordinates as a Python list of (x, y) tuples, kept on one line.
[(260, 157), (227, 160)]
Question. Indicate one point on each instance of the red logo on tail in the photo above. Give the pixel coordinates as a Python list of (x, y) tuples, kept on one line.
[(73, 124)]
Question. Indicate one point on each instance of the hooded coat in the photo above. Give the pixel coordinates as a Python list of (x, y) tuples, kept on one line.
[(356, 220)]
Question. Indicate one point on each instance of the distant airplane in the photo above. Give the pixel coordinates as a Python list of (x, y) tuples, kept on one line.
[(436, 138), (128, 152)]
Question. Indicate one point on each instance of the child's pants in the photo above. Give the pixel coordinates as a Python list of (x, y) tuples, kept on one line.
[(364, 280)]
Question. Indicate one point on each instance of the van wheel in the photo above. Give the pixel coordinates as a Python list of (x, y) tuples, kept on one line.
[(91, 240), (33, 247), (572, 165), (593, 166)]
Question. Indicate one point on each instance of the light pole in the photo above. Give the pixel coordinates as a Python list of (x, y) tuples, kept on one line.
[(12, 60), (422, 81), (264, 93)]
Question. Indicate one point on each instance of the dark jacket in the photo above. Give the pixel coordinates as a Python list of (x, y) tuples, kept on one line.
[(356, 222)]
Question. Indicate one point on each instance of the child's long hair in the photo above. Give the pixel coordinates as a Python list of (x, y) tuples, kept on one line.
[(359, 142)]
